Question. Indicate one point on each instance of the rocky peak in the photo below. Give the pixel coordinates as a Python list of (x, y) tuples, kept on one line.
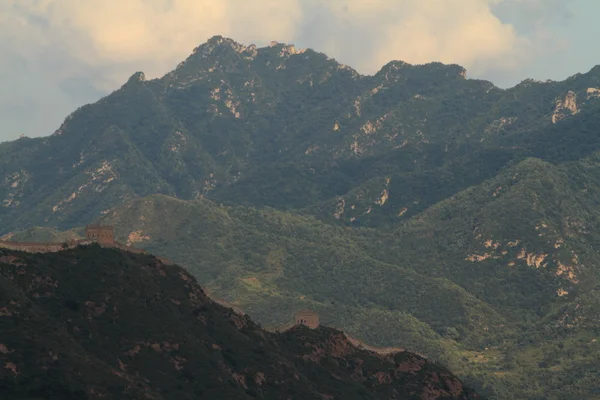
[(394, 66), (284, 49), (218, 42), (396, 71), (136, 78)]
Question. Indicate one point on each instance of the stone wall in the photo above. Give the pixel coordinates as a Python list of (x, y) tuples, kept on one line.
[(103, 235), (32, 247), (41, 247)]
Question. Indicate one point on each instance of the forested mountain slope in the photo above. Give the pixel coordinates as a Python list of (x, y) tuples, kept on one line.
[(293, 129)]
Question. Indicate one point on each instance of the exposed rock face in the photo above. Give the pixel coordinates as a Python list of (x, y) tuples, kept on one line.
[(565, 107), (322, 346), (593, 93)]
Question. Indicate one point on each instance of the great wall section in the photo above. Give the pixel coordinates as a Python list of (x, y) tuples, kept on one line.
[(99, 234)]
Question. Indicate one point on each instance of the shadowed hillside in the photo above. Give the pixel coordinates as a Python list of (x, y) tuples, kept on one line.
[(93, 323)]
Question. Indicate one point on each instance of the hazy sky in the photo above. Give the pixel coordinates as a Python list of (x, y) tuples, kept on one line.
[(57, 55)]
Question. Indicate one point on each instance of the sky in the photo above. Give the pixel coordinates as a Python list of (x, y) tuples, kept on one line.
[(57, 55)]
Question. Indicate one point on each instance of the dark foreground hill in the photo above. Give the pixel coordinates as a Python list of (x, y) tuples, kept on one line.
[(93, 323)]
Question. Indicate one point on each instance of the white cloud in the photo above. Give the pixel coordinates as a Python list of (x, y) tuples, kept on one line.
[(103, 41), (465, 32), (154, 34), (157, 34)]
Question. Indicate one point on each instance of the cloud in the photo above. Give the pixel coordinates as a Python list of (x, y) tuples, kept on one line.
[(154, 34), (465, 32), (79, 49)]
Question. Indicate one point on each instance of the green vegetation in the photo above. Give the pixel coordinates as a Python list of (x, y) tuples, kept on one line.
[(401, 288), (412, 208)]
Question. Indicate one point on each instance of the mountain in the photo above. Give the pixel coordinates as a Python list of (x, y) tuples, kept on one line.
[(93, 323), (291, 129), (412, 208)]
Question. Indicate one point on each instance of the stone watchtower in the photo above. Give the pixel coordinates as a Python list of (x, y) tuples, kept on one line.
[(104, 235), (306, 317)]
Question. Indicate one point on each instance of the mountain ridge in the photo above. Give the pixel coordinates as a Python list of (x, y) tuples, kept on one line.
[(216, 163)]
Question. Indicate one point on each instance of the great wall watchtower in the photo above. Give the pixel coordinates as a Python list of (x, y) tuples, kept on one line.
[(306, 317), (102, 234)]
